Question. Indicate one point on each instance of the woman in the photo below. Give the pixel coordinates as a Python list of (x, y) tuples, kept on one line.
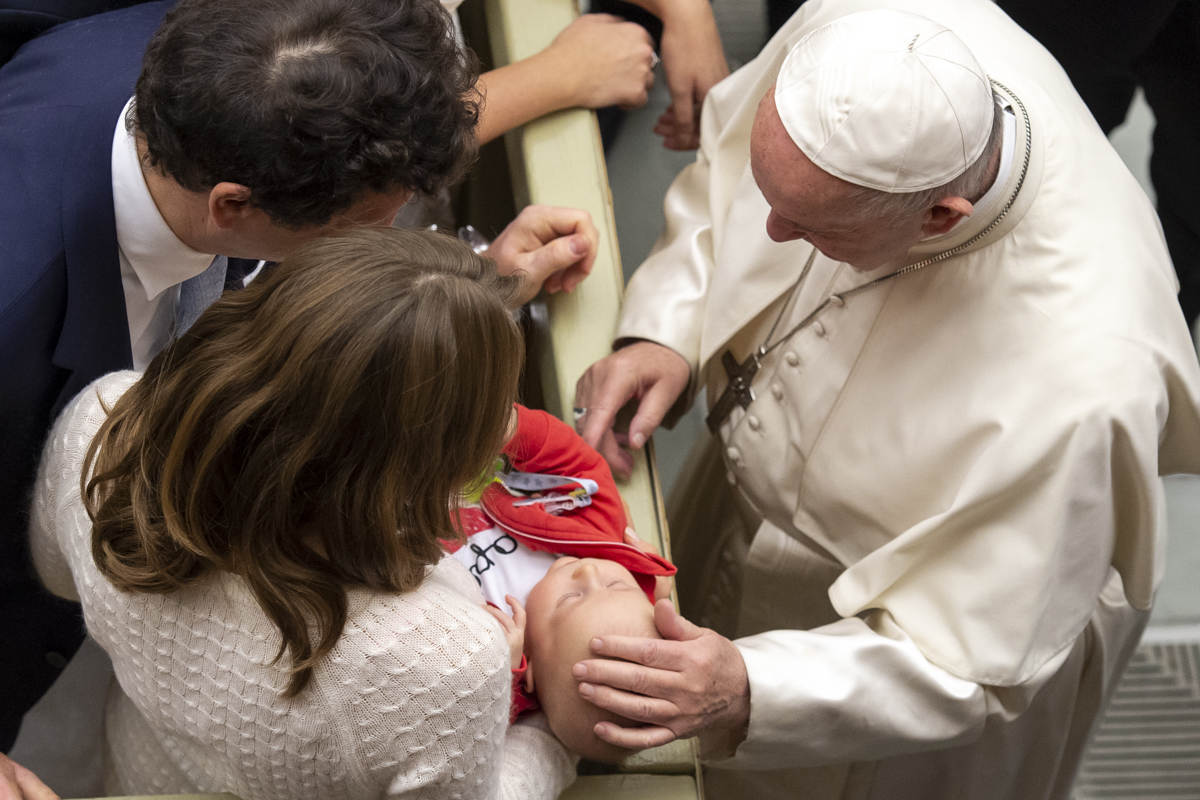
[(252, 528)]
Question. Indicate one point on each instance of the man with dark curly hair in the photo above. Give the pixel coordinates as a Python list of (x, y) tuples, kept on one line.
[(133, 183)]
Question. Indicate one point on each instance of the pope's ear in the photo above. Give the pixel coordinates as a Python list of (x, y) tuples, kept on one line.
[(945, 215), (529, 677), (228, 204)]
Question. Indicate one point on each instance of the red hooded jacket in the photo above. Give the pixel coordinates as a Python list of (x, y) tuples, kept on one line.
[(544, 444)]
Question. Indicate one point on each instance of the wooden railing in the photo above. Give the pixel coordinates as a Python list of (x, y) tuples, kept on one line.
[(558, 160)]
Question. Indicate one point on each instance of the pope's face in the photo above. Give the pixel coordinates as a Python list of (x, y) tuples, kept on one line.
[(809, 203)]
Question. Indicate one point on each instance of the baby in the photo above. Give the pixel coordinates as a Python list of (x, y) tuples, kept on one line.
[(549, 538)]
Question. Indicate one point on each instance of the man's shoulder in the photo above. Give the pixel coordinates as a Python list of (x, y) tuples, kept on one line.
[(111, 32), (34, 151), (60, 100), (82, 62), (39, 164)]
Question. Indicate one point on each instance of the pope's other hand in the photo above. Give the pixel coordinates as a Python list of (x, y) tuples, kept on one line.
[(549, 247), (654, 374), (691, 681), (694, 62), (18, 783)]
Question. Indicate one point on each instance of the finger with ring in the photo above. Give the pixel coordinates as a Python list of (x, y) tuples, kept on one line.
[(580, 413), (654, 59)]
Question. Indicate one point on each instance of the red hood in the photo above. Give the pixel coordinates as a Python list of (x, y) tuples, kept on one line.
[(545, 444)]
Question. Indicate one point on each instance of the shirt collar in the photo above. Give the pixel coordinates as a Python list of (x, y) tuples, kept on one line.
[(158, 257), (1009, 180), (991, 197)]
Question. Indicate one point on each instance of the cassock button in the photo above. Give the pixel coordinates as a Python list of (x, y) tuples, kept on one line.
[(729, 476), (819, 328), (753, 422), (837, 300), (776, 391), (791, 358), (734, 454)]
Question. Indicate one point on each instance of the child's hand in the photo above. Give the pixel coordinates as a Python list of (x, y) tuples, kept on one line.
[(514, 627), (662, 584)]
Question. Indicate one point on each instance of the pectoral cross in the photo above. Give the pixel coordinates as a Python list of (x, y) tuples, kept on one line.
[(737, 392)]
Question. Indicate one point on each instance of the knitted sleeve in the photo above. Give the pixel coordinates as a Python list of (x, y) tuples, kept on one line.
[(422, 684), (536, 765), (48, 559), (58, 477)]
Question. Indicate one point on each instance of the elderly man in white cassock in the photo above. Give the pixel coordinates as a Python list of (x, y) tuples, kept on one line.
[(937, 326)]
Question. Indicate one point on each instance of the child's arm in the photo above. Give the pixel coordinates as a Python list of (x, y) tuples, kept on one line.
[(514, 627), (514, 631)]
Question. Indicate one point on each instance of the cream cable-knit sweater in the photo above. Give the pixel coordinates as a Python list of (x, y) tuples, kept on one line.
[(412, 703)]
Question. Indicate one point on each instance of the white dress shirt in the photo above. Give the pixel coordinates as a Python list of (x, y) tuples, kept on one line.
[(153, 259)]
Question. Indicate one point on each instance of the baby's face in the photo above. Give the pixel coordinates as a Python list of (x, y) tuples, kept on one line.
[(581, 595), (578, 600)]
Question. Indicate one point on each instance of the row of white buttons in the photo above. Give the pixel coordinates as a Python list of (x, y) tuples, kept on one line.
[(793, 360)]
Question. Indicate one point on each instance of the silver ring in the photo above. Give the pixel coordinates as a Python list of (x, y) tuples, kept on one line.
[(654, 59), (579, 413)]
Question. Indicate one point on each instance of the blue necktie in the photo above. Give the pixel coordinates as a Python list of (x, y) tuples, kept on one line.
[(198, 293)]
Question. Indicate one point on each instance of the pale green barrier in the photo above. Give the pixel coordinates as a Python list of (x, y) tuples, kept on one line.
[(558, 160)]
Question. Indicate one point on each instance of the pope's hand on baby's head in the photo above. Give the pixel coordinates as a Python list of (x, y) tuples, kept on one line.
[(578, 600)]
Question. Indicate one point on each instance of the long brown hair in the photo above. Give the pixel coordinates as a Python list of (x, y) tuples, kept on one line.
[(312, 432)]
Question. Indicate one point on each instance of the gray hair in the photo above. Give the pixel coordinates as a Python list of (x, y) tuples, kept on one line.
[(896, 206)]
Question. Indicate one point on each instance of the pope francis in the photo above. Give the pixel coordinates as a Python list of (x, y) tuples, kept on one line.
[(936, 323)]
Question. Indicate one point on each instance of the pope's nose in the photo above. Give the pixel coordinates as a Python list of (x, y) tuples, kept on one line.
[(780, 230)]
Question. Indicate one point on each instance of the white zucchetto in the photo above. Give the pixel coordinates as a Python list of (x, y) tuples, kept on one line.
[(886, 99)]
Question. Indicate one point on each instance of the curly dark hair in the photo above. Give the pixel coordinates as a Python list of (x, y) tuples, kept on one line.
[(311, 104)]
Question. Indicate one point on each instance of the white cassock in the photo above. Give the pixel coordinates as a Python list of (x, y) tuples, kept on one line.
[(959, 469)]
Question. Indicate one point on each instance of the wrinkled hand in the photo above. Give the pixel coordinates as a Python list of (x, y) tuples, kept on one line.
[(514, 627), (694, 681), (694, 61), (605, 61), (18, 783), (654, 374), (548, 246)]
